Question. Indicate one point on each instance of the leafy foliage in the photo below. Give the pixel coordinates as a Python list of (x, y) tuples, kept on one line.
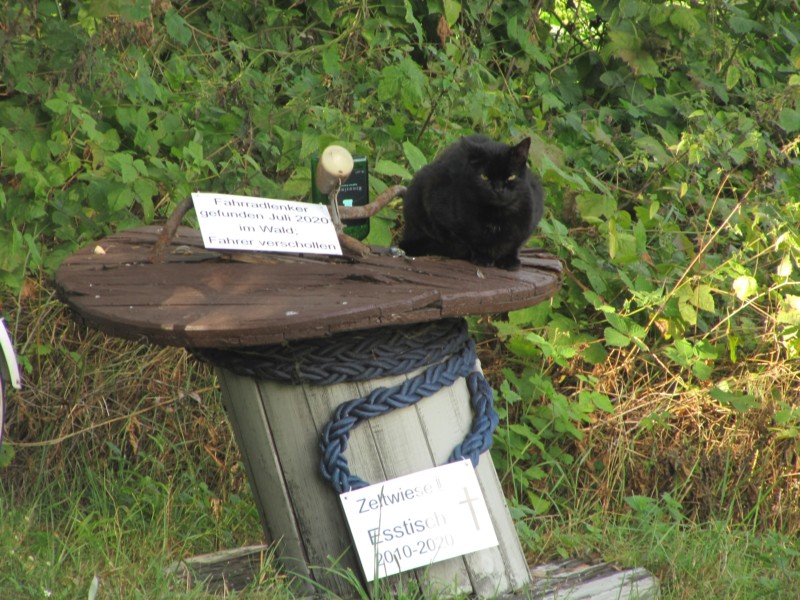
[(666, 133)]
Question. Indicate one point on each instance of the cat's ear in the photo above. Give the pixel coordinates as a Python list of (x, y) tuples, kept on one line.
[(519, 153), (523, 148)]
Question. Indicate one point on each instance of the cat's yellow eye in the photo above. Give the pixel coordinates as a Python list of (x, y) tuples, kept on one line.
[(511, 178), (484, 176)]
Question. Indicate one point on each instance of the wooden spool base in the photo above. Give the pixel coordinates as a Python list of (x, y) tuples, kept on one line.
[(571, 579), (277, 427)]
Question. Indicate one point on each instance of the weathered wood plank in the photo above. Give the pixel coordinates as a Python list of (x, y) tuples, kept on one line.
[(569, 579), (248, 418), (445, 423), (574, 579), (220, 303), (509, 557), (297, 415), (222, 572)]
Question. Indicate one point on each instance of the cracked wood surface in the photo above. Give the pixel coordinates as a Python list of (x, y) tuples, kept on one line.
[(203, 298)]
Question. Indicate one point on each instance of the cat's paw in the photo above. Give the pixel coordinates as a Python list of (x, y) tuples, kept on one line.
[(510, 262)]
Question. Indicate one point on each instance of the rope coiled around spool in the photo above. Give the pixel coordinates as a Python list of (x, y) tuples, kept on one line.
[(444, 347)]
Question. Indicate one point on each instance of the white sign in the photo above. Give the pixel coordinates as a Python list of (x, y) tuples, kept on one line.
[(230, 222), (418, 519)]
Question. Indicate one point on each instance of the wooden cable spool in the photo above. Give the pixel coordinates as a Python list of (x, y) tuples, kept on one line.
[(195, 298)]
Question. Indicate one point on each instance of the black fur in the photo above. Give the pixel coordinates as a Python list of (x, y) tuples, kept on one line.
[(478, 201)]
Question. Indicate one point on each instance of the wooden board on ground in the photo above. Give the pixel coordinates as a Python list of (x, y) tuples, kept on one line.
[(574, 579), (203, 299), (569, 579)]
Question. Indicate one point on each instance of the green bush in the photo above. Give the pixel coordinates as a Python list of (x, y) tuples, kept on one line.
[(666, 134)]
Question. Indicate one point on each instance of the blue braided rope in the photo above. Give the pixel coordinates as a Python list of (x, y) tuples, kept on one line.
[(333, 440), (444, 347)]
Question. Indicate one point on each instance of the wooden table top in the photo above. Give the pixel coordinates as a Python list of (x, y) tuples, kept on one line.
[(201, 298)]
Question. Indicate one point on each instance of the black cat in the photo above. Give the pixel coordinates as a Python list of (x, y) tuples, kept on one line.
[(478, 201)]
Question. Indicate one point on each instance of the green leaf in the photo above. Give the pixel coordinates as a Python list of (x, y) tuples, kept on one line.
[(702, 370), (404, 82), (135, 10), (702, 298), (57, 105), (389, 83), (599, 400), (739, 402), (785, 267), (654, 148), (177, 29), (684, 18), (789, 120), (551, 102), (331, 62), (789, 311), (745, 287), (145, 190), (539, 505), (120, 198), (594, 353), (412, 20), (323, 10), (685, 306), (592, 207), (6, 455), (509, 395), (532, 316), (122, 162), (414, 156), (641, 504), (392, 169), (742, 24), (452, 10), (732, 77), (680, 352), (632, 9), (615, 338), (627, 47), (625, 325)]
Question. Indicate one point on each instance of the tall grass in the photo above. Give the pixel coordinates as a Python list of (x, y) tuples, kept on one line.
[(123, 463)]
